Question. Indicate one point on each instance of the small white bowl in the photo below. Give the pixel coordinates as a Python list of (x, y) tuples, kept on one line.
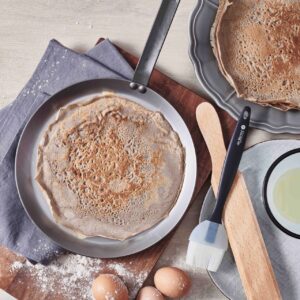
[(288, 161)]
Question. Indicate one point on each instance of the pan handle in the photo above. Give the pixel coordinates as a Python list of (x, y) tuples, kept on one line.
[(154, 44)]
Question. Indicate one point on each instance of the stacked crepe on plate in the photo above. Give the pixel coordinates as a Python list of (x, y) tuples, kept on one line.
[(257, 46), (110, 167)]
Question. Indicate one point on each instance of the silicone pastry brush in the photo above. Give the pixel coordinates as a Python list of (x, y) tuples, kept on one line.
[(208, 241), (243, 231)]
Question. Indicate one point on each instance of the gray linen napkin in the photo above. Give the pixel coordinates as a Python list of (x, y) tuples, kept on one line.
[(58, 68)]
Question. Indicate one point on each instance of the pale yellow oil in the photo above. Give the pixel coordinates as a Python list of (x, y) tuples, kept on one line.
[(286, 195)]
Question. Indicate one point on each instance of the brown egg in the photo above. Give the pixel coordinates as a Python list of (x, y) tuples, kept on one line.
[(150, 293), (109, 286), (172, 282)]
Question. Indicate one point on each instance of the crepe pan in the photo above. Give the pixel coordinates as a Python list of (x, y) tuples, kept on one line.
[(136, 90)]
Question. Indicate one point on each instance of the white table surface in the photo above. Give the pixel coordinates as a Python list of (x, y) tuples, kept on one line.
[(26, 28)]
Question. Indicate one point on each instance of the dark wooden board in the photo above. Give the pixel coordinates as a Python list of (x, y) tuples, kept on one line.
[(22, 285)]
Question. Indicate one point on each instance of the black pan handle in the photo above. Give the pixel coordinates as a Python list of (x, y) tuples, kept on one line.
[(231, 163), (154, 44)]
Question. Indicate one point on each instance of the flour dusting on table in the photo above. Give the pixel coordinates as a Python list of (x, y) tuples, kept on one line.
[(70, 276)]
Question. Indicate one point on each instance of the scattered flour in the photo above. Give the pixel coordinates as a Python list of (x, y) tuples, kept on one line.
[(17, 265), (70, 276)]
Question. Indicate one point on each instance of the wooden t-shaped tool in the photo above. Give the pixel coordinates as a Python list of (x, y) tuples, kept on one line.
[(239, 218)]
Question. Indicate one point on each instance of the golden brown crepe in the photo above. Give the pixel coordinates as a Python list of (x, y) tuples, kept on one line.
[(257, 46), (110, 167)]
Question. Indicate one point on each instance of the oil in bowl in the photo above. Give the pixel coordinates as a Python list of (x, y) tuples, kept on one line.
[(286, 195), (282, 193)]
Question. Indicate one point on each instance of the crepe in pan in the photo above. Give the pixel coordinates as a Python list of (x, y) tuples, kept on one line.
[(257, 46), (110, 167)]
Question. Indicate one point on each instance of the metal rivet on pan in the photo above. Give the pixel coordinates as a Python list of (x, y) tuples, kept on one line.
[(133, 85), (142, 89)]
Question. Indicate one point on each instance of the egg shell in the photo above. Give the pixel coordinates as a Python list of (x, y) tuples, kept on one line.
[(150, 293), (172, 282), (109, 286)]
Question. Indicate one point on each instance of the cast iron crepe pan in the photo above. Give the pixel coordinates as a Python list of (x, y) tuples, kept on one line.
[(25, 165)]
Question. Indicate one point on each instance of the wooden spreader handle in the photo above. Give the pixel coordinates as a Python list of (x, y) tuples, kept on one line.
[(239, 218)]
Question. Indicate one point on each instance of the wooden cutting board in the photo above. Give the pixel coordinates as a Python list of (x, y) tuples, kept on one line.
[(23, 284)]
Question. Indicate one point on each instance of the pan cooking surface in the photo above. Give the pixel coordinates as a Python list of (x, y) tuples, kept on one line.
[(34, 202)]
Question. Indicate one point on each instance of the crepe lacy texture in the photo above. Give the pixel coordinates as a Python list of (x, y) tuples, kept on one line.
[(108, 164), (257, 45), (111, 173)]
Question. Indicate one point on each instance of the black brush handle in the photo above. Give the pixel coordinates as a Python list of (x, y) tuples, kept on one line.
[(231, 163)]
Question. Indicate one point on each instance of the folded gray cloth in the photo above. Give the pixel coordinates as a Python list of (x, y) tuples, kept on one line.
[(58, 68)]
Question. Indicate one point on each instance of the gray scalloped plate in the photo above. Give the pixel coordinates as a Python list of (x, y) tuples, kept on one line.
[(216, 85)]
